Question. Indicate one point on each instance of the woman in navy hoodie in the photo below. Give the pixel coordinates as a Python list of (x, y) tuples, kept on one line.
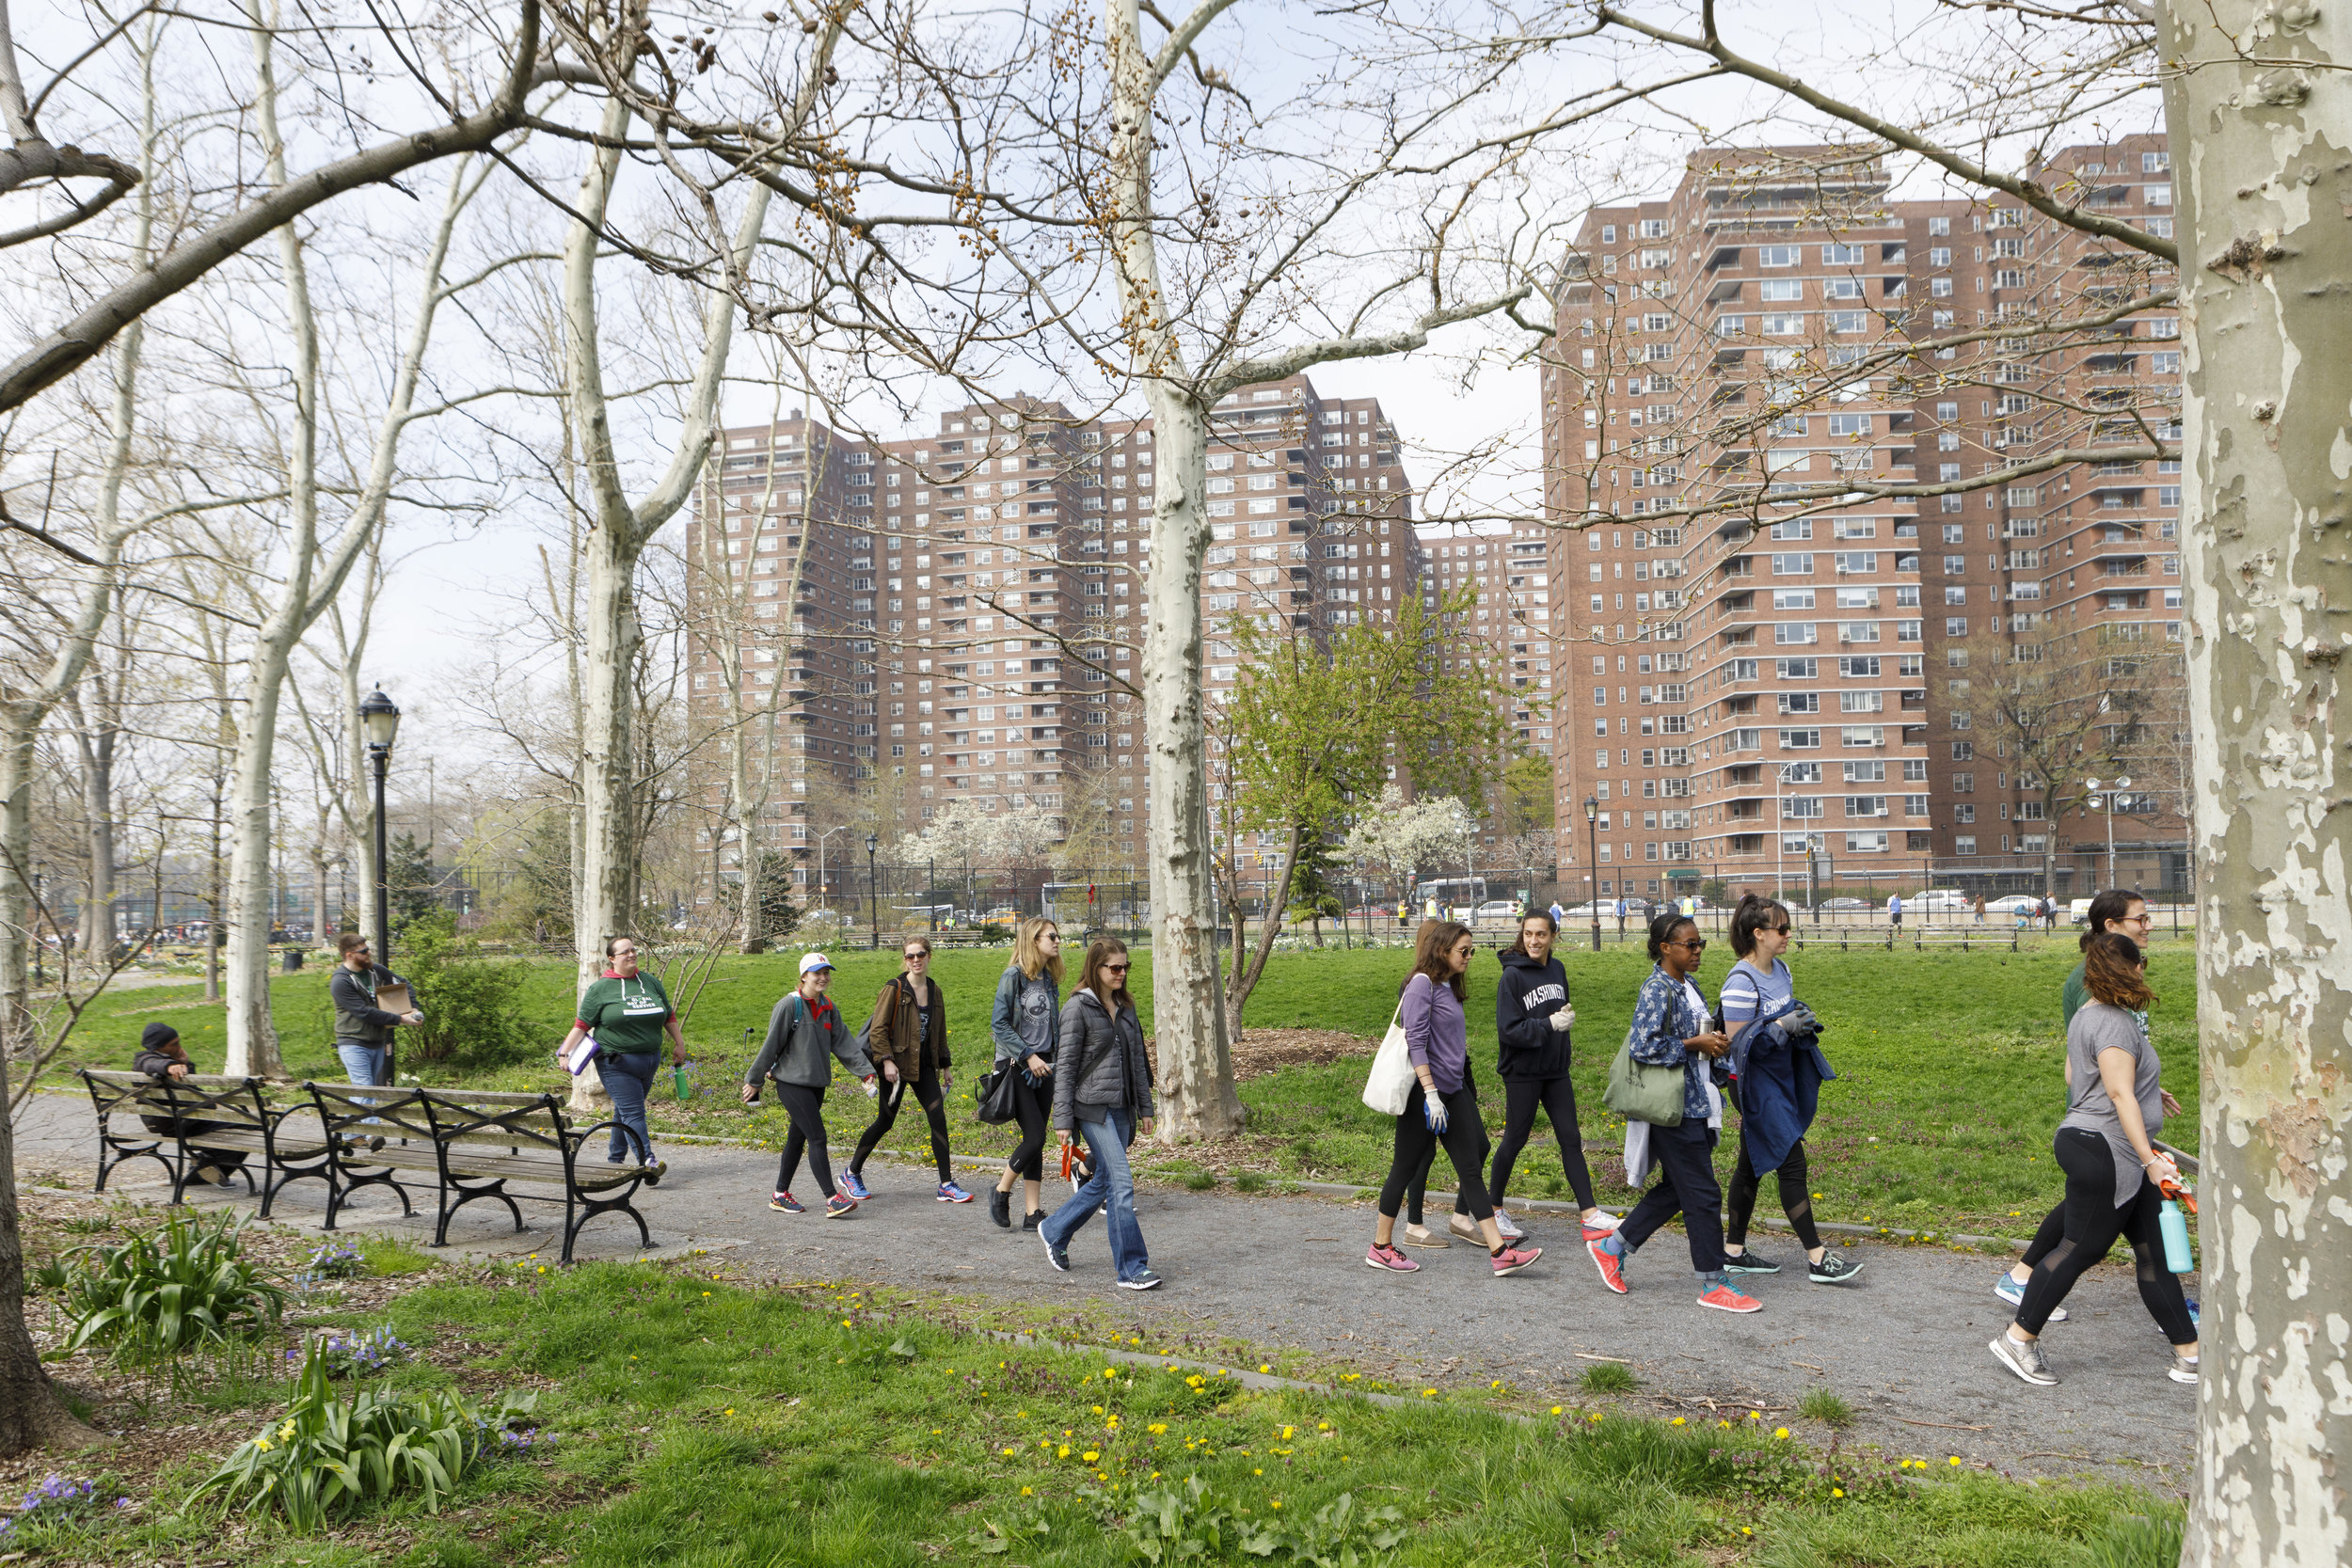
[(1531, 1019)]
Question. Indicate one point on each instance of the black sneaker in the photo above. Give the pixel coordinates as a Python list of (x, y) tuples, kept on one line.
[(1034, 1218), (1058, 1257), (1833, 1270), (1750, 1262), (1000, 1206)]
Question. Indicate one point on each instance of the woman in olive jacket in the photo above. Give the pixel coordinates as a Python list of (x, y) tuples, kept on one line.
[(910, 1028)]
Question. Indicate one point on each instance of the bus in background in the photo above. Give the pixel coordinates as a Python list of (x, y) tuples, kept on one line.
[(1456, 897)]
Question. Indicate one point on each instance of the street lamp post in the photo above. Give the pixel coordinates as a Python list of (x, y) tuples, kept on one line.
[(2107, 806), (873, 888), (1592, 859), (379, 717)]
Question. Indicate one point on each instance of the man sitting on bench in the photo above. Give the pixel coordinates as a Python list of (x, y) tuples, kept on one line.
[(161, 1058)]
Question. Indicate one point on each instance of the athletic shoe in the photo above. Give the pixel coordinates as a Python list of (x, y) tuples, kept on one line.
[(1420, 1235), (653, 1171), (2195, 1318), (1511, 1260), (1595, 1229), (1749, 1262), (1611, 1266), (2024, 1358), (2184, 1368), (1000, 1206), (1387, 1258), (1466, 1227), (2014, 1294), (784, 1203), (1080, 1174), (1511, 1232), (1058, 1257), (207, 1176), (851, 1184), (1034, 1218), (1724, 1299), (1147, 1280), (1833, 1270), (950, 1193), (840, 1207)]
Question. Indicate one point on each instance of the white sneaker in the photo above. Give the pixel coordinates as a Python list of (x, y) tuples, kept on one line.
[(1510, 1231), (1420, 1235)]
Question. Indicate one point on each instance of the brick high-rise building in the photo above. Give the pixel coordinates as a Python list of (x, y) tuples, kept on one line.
[(1741, 689), (969, 600)]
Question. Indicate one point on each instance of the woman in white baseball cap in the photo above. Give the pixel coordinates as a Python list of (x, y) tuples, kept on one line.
[(804, 1034)]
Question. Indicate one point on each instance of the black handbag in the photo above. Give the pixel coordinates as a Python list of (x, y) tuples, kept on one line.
[(997, 1104)]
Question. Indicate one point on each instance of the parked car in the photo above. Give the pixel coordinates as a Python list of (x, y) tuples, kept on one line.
[(1844, 906), (1494, 909), (2078, 912), (2015, 903), (1939, 898)]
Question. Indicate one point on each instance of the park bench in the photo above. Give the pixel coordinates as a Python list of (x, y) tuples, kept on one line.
[(204, 1111), (473, 1143)]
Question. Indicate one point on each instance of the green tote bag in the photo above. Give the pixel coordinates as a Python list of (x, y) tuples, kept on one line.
[(1640, 1091)]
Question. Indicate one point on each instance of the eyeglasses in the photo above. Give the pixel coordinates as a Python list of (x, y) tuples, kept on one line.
[(1776, 931), (914, 958)]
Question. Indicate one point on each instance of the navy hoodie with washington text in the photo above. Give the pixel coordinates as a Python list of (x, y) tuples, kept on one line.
[(1525, 998)]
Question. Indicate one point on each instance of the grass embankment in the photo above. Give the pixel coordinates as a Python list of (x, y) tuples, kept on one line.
[(1940, 1121), (699, 1421)]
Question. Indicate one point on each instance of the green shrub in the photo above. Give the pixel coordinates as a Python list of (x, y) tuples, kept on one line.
[(1251, 1182), (166, 1290), (331, 1455), (1200, 1181), (471, 1017)]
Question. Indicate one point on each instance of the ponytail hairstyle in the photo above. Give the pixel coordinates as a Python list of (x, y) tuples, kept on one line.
[(2114, 971), (2114, 904), (1433, 955), (1662, 926), (1755, 912)]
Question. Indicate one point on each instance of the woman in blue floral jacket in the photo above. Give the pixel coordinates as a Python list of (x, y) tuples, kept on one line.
[(1671, 1028)]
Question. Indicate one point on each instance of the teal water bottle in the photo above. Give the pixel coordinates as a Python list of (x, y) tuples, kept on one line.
[(2174, 1227)]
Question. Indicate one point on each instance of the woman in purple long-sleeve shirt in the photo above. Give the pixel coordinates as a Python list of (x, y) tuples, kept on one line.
[(1442, 1107)]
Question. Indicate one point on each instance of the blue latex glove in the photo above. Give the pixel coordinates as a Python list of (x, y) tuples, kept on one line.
[(1433, 1110)]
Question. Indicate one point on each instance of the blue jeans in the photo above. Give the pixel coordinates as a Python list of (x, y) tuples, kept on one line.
[(1112, 1186), (629, 1078), (363, 1063)]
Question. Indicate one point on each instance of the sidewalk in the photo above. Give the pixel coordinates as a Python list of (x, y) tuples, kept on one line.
[(1904, 1345)]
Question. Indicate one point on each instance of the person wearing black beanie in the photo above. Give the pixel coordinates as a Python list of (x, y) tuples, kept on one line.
[(161, 1058)]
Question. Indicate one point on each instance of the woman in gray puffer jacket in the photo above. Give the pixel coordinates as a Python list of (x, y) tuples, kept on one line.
[(1103, 1092)]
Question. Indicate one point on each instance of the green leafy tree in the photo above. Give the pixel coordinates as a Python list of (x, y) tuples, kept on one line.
[(778, 914), (472, 1018), (1314, 888)]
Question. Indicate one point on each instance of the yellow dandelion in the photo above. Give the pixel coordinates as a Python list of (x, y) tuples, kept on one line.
[(1676, 1421), (1555, 1410), (1780, 1432)]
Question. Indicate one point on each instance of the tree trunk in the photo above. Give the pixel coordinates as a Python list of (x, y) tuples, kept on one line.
[(2264, 149), (95, 734)]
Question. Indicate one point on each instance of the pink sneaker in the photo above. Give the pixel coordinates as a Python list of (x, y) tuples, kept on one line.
[(1390, 1258), (1724, 1299), (1511, 1260), (1611, 1266)]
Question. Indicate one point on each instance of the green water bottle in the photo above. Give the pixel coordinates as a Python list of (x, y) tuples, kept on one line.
[(677, 1076)]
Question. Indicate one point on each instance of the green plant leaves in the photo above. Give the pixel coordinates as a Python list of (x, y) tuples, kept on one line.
[(161, 1292)]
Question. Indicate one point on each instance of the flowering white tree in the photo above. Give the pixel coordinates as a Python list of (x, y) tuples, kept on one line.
[(967, 834), (1397, 837)]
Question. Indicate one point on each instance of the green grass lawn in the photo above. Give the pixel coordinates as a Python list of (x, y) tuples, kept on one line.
[(1940, 1119), (700, 1422)]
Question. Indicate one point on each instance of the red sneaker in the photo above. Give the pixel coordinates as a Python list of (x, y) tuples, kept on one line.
[(1611, 1266), (1511, 1260), (1390, 1258), (1724, 1299)]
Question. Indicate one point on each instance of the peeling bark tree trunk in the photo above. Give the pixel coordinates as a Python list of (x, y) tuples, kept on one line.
[(2264, 153)]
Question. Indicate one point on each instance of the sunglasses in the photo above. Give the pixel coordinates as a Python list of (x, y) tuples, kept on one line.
[(1694, 944), (917, 955), (1115, 969)]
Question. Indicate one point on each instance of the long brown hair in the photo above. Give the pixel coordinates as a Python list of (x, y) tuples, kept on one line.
[(1091, 977), (1028, 957), (1433, 955), (1518, 943), (2112, 972)]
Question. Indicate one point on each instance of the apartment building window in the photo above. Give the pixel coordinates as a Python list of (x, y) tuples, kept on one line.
[(1779, 255), (1964, 843), (1834, 255), (1866, 844)]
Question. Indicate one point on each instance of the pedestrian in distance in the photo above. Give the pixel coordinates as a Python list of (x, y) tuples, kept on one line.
[(909, 1029), (806, 1036), (1671, 1028), (1023, 1021), (364, 1030), (1979, 908), (1442, 1107), (1558, 915), (628, 1013), (1894, 910), (1777, 1071), (1103, 1095), (1533, 1021), (2114, 1173)]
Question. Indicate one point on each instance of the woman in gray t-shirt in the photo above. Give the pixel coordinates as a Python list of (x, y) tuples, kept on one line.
[(2106, 1146)]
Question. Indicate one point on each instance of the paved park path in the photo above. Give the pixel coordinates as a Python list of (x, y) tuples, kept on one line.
[(1904, 1345)]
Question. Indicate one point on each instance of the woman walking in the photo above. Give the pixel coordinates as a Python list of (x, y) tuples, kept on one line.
[(628, 1013), (805, 1036), (1104, 1095), (1670, 1028), (1023, 1022), (909, 1031), (1777, 1071), (1440, 1107), (1532, 1022), (2106, 1146)]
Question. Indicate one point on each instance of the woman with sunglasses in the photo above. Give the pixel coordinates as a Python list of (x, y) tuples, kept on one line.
[(1777, 1071), (1670, 1028), (1024, 1024), (1441, 1106), (1104, 1095), (910, 1028)]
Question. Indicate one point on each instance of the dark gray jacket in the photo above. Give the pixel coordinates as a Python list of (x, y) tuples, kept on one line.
[(803, 1038), (1101, 1065), (357, 1016)]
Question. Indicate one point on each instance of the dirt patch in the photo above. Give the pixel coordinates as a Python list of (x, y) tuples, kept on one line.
[(1260, 1052)]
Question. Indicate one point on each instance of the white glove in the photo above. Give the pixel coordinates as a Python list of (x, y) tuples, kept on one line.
[(1561, 1020)]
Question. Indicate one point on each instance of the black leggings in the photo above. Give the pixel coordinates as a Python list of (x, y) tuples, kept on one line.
[(806, 1107), (887, 1115), (1464, 1140), (2092, 1221), (1029, 1111), (1796, 1197), (1556, 1097)]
